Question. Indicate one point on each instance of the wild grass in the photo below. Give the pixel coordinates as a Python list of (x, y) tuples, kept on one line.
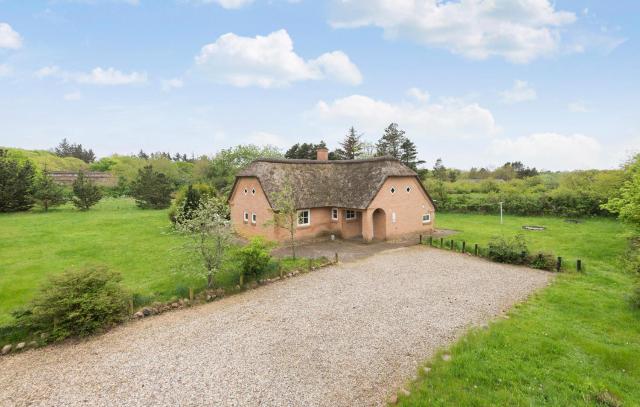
[(574, 343)]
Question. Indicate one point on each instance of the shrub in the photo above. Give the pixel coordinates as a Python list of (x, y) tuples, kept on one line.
[(76, 303), (85, 193), (254, 258), (151, 189), (513, 250), (543, 261), (187, 199), (48, 193)]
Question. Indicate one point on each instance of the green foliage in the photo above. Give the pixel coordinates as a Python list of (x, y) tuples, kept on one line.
[(16, 183), (351, 146), (222, 170), (626, 203), (48, 161), (254, 258), (512, 250), (543, 261), (66, 149), (48, 193), (151, 189), (76, 303), (188, 198), (103, 165), (286, 214), (85, 192)]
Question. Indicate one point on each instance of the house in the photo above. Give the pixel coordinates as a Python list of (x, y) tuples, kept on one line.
[(377, 198)]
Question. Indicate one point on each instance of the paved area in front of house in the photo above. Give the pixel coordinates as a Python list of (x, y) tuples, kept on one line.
[(346, 335)]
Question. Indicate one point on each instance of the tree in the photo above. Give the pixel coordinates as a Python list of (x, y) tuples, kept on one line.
[(626, 203), (307, 151), (66, 149), (48, 193), (151, 189), (85, 193), (285, 215), (16, 183), (210, 233), (409, 154), (390, 143), (351, 146), (142, 155), (439, 170)]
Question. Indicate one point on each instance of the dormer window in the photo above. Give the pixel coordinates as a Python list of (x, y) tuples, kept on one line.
[(253, 191), (393, 190), (408, 189), (246, 191)]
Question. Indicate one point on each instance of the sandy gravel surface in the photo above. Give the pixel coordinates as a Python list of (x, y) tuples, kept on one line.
[(347, 335)]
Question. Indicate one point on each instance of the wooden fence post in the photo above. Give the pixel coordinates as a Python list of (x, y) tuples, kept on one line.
[(451, 245), (241, 279), (464, 246), (579, 265), (190, 294), (559, 264), (430, 240), (420, 239), (336, 257), (441, 242), (131, 306), (281, 270), (475, 250)]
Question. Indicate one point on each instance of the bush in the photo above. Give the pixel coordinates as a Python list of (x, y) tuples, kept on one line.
[(76, 303), (254, 258), (513, 250), (16, 183), (188, 198), (152, 189), (543, 261)]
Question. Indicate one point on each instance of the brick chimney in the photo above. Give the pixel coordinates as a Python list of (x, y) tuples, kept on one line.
[(322, 154)]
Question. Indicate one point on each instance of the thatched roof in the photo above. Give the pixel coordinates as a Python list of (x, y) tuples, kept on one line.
[(340, 183)]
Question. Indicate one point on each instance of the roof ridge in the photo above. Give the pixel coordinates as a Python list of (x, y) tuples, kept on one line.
[(308, 161)]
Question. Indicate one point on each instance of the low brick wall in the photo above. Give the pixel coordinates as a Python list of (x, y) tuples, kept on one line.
[(104, 179)]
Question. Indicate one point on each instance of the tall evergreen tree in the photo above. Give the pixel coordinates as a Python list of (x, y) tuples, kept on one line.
[(351, 146), (390, 143), (48, 193), (85, 193), (16, 183), (66, 149), (151, 189), (409, 154)]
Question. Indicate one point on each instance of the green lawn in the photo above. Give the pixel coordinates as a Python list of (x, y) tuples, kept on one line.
[(576, 342)]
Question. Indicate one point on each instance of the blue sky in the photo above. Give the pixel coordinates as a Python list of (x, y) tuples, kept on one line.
[(475, 82)]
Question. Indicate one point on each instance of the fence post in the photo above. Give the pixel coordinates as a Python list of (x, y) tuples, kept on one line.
[(579, 265), (310, 263), (241, 279), (559, 264), (475, 250), (464, 246), (336, 257), (420, 239), (281, 270), (190, 294), (441, 242), (451, 245), (430, 240), (131, 305)]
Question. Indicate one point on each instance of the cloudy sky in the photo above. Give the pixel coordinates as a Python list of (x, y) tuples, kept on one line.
[(476, 82)]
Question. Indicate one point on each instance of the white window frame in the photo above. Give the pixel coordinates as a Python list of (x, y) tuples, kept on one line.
[(347, 212), (246, 191), (335, 214), (246, 217), (254, 218), (428, 218), (408, 188), (300, 212)]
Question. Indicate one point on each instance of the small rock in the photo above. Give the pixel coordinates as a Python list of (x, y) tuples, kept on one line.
[(20, 346), (139, 314), (6, 349), (32, 344), (220, 292), (446, 357), (426, 370), (146, 311)]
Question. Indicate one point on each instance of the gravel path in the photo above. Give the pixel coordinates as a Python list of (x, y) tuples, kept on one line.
[(347, 335)]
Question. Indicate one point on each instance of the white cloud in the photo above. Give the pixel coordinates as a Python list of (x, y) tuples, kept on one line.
[(418, 94), (424, 121), (520, 92), (269, 61), (519, 31), (72, 96), (228, 4), (578, 106), (97, 76), (5, 70), (170, 84), (9, 38), (551, 151)]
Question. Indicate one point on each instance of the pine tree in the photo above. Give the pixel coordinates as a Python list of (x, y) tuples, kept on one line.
[(151, 189), (85, 193), (409, 154), (48, 193), (16, 183), (391, 142), (351, 146)]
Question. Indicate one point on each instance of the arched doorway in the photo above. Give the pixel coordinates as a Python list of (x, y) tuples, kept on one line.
[(379, 224)]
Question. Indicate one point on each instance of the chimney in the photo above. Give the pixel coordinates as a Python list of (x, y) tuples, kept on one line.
[(322, 154)]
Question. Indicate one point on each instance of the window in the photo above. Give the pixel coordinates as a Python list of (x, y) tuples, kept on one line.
[(426, 218), (246, 191), (349, 214), (246, 216), (393, 217), (334, 214), (253, 191), (304, 217), (254, 218), (408, 189), (393, 190)]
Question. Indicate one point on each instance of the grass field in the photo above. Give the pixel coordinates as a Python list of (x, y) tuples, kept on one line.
[(575, 343), (115, 233)]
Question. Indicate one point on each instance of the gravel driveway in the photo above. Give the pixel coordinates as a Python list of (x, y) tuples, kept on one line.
[(347, 335)]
